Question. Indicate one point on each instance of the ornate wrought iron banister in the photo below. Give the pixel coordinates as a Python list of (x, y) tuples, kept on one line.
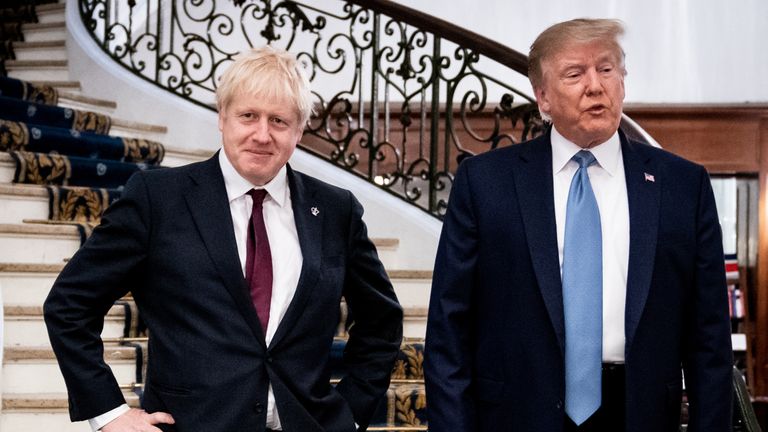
[(401, 97)]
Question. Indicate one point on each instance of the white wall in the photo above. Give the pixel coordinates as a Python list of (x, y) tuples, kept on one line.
[(678, 51)]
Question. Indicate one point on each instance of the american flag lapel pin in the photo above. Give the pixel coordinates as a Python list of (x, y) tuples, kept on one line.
[(649, 178), (314, 211)]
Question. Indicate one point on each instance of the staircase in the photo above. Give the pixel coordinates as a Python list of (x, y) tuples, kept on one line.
[(33, 249)]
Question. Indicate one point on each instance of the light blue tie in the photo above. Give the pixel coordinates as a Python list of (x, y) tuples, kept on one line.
[(582, 296)]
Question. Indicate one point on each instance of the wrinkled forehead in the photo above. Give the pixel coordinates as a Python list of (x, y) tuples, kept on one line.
[(576, 53)]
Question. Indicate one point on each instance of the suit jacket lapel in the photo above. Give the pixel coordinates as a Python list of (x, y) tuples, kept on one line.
[(533, 180), (207, 202), (309, 226), (643, 194)]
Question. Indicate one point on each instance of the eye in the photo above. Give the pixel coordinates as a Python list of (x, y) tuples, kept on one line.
[(247, 115)]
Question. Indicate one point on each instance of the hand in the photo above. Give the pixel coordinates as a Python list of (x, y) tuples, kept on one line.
[(138, 420)]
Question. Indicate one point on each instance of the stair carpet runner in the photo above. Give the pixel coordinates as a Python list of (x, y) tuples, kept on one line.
[(84, 169)]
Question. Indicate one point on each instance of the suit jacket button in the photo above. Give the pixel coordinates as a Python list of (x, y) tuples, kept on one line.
[(559, 404), (269, 359), (257, 408)]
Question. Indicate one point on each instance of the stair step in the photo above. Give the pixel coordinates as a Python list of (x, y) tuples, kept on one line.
[(7, 168), (48, 13), (133, 129), (412, 287), (59, 85), (48, 31), (24, 325), (34, 369), (44, 50), (38, 243), (40, 70), (415, 322), (46, 411), (69, 99), (19, 202), (175, 156), (27, 284)]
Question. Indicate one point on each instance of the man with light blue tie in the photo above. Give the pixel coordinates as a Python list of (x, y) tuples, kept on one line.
[(581, 273)]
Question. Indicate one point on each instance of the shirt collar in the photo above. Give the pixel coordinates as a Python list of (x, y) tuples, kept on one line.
[(607, 154), (237, 186)]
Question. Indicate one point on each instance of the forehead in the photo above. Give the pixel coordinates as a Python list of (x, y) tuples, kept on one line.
[(575, 54), (273, 104)]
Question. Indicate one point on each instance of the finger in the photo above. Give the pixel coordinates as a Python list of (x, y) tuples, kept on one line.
[(160, 418)]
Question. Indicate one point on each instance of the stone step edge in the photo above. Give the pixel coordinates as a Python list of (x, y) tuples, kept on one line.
[(35, 227), (20, 45), (65, 96), (35, 64), (49, 401), (50, 7), (25, 190), (30, 353), (43, 26), (115, 313), (57, 84)]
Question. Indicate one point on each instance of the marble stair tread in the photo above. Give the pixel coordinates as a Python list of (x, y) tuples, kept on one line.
[(176, 156), (115, 312), (58, 25), (17, 189), (36, 63), (50, 8), (31, 353), (79, 99), (61, 85), (146, 127), (31, 268), (410, 274), (40, 44), (39, 229), (49, 401)]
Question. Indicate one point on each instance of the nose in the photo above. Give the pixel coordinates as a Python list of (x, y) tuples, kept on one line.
[(260, 132), (593, 84)]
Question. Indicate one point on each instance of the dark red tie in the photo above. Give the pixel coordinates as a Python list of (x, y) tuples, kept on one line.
[(258, 260)]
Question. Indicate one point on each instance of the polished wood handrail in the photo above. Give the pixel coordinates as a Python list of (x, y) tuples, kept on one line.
[(480, 44)]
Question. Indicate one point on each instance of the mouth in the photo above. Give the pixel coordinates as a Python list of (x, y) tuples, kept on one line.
[(596, 109)]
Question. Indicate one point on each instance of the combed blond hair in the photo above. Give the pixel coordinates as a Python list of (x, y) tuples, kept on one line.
[(558, 37), (269, 73)]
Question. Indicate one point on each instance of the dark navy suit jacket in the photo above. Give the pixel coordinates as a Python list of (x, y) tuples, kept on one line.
[(170, 241), (495, 336)]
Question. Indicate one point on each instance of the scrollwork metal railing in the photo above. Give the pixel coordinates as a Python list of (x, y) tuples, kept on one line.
[(401, 97)]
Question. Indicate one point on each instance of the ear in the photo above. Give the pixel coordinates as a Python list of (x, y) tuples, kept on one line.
[(542, 99), (221, 120)]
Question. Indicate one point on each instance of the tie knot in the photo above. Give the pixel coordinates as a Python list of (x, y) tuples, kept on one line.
[(258, 195), (584, 158)]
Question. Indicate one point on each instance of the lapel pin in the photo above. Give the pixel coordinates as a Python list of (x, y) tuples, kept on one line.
[(649, 178), (314, 211)]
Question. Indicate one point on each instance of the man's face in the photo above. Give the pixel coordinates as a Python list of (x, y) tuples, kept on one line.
[(583, 91), (259, 135)]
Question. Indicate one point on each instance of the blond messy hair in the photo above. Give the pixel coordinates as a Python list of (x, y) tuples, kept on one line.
[(558, 37), (269, 73)]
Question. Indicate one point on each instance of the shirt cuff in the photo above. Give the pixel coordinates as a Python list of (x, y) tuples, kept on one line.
[(99, 422)]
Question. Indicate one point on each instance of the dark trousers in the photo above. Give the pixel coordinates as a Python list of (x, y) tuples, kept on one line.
[(610, 416)]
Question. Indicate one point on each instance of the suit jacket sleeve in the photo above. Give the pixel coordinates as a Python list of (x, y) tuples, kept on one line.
[(101, 272), (708, 355), (448, 361), (376, 334)]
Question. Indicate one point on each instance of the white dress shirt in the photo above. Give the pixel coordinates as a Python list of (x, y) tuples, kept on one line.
[(610, 187), (284, 246)]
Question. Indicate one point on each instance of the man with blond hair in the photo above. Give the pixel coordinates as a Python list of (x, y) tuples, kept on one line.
[(238, 265), (581, 273)]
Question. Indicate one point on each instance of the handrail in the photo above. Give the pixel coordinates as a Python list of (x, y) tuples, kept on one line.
[(503, 54), (401, 97)]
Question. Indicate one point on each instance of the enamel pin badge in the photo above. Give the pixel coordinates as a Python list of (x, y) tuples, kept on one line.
[(314, 211)]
